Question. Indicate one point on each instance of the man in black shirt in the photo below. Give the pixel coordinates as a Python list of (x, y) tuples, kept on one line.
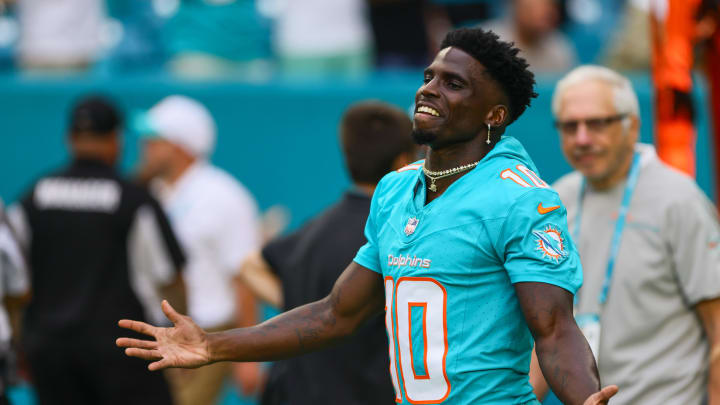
[(303, 267), (98, 247)]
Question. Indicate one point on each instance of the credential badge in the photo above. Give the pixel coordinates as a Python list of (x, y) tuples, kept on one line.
[(412, 223)]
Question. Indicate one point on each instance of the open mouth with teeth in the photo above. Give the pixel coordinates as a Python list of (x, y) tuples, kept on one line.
[(428, 110)]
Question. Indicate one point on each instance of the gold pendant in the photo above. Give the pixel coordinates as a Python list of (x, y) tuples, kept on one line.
[(433, 187)]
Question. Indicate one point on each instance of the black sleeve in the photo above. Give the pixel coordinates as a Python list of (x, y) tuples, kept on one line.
[(173, 246), (277, 252)]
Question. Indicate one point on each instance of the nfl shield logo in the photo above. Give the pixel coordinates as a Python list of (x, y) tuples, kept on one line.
[(411, 225)]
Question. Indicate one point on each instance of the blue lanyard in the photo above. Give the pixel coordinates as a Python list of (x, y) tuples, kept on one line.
[(619, 224)]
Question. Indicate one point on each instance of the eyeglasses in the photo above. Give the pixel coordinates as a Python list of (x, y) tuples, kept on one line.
[(593, 125)]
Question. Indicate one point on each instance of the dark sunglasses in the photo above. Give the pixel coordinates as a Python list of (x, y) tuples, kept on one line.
[(593, 124)]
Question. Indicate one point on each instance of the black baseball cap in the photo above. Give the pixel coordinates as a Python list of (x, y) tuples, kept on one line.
[(95, 115)]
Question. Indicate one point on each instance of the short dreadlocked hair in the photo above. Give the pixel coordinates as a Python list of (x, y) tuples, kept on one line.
[(502, 63)]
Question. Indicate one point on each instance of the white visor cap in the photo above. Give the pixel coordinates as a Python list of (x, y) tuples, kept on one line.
[(184, 122)]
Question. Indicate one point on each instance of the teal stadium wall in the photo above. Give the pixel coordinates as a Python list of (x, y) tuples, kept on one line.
[(278, 137)]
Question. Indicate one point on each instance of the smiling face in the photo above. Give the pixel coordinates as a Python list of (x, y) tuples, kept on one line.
[(457, 101), (593, 137)]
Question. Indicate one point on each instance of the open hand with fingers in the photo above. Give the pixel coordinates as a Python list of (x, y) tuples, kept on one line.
[(184, 345), (603, 396)]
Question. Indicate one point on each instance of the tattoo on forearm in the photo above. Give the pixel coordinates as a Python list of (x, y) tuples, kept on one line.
[(552, 361), (310, 328), (300, 339)]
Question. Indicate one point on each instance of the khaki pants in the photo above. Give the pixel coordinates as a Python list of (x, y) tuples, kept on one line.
[(200, 386)]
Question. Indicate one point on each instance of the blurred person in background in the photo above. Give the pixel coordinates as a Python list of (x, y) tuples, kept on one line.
[(302, 267), (14, 293), (649, 244), (629, 47), (216, 220), (60, 35), (206, 38), (533, 26), (323, 37), (407, 32), (99, 247), (677, 27), (404, 32)]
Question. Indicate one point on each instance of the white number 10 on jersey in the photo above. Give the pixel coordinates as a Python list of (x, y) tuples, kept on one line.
[(411, 294)]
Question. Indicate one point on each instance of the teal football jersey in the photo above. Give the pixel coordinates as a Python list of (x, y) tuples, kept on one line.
[(456, 331)]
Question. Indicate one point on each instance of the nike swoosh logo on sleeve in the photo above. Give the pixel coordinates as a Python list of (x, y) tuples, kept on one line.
[(544, 210)]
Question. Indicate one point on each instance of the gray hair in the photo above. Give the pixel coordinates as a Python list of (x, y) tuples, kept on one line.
[(624, 97)]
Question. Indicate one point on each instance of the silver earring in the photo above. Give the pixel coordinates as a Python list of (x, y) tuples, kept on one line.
[(488, 139)]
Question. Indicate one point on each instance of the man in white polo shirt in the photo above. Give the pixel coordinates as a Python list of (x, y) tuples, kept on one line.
[(216, 220)]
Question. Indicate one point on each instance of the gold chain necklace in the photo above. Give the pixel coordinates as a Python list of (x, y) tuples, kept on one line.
[(445, 173)]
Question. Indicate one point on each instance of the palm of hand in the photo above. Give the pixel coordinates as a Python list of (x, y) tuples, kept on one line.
[(184, 345)]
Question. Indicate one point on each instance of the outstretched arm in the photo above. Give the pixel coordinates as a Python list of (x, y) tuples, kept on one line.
[(563, 353), (357, 295)]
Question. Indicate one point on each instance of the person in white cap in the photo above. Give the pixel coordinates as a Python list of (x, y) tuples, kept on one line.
[(216, 220)]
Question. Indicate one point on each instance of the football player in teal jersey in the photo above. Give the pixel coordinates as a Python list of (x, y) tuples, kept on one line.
[(468, 254)]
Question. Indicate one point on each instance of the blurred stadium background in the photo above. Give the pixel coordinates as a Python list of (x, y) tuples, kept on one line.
[(277, 110)]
